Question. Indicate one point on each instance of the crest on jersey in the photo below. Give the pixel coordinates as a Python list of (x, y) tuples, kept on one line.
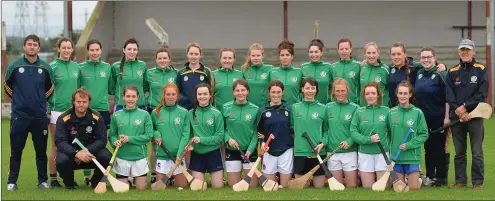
[(323, 73), (474, 79), (420, 76), (210, 121), (286, 113), (347, 116), (294, 79), (177, 120), (433, 76), (138, 121), (381, 117), (268, 114), (378, 79), (392, 71), (75, 74), (140, 73), (171, 80), (21, 70), (314, 115), (89, 129), (40, 70), (248, 117), (103, 74), (263, 75), (410, 122), (201, 77), (186, 78), (352, 74)]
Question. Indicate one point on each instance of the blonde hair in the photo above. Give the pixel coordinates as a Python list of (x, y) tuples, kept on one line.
[(254, 46), (371, 44), (339, 81), (196, 45)]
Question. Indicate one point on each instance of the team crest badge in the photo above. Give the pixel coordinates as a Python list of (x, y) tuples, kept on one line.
[(102, 74), (40, 71), (410, 122), (138, 121), (21, 70), (433, 76), (323, 73), (75, 74), (381, 117), (392, 71), (177, 120), (474, 79), (352, 74), (420, 76), (268, 114), (201, 77), (314, 115), (248, 117), (294, 79), (171, 80), (120, 121), (263, 76), (85, 73), (89, 129), (161, 118), (210, 121), (347, 116), (286, 113), (186, 78), (378, 79), (140, 73)]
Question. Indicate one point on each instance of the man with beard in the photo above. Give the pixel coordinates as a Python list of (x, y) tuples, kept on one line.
[(29, 82)]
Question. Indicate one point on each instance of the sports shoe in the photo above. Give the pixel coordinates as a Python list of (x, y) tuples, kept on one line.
[(458, 186), (429, 182), (478, 187), (43, 185), (87, 181), (152, 180), (55, 184), (11, 187)]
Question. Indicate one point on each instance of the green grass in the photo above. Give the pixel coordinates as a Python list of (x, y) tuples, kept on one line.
[(28, 190)]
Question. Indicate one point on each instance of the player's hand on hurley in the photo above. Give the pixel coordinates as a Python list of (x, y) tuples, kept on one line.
[(318, 148), (460, 111), (196, 140), (403, 147), (375, 138), (117, 143), (263, 148), (84, 156), (124, 138), (233, 143), (465, 117), (446, 121), (247, 154), (158, 141), (344, 145)]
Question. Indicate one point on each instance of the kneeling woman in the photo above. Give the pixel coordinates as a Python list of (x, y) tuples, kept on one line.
[(274, 117), (339, 114), (172, 132), (208, 131), (240, 118), (309, 116), (400, 119), (135, 129), (368, 119)]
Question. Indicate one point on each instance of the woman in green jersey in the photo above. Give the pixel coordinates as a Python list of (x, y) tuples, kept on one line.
[(257, 74), (374, 71), (289, 75), (318, 69), (347, 68), (225, 76)]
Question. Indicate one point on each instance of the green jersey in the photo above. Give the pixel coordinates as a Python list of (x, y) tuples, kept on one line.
[(133, 74), (258, 77), (173, 128), (207, 124), (291, 78), (66, 75), (339, 116), (156, 78), (224, 79), (372, 118), (241, 125), (379, 74), (322, 73), (308, 117), (96, 77), (349, 70)]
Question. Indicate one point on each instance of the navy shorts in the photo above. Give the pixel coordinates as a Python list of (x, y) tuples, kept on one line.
[(120, 107), (208, 162), (406, 168), (106, 117), (303, 164)]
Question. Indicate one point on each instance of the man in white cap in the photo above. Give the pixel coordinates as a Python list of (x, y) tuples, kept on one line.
[(467, 85)]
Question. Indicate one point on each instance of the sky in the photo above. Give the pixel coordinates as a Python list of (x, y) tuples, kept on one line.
[(54, 15)]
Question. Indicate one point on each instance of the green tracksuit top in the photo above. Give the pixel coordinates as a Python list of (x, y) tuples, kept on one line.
[(291, 78), (308, 117), (241, 125), (173, 128), (399, 121), (224, 78), (339, 116), (364, 122), (156, 78), (258, 77), (322, 73), (66, 75), (134, 72), (137, 125), (208, 125), (96, 77), (348, 70), (370, 73)]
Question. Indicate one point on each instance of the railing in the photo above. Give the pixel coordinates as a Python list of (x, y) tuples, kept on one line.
[(468, 28)]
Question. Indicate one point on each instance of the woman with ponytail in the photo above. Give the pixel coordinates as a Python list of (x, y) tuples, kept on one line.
[(289, 75), (347, 68), (374, 70), (66, 74), (171, 131), (225, 76), (257, 74), (129, 71), (318, 69)]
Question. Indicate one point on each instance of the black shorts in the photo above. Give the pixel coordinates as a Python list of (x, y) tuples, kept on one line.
[(118, 176), (232, 155), (208, 162), (106, 117), (303, 164)]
